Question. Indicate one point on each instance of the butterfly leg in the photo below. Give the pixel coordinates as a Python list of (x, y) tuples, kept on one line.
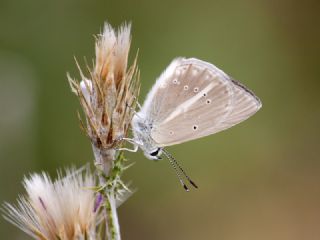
[(138, 104), (132, 141), (135, 149)]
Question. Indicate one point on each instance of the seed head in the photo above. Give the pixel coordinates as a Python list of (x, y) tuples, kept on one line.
[(61, 209), (108, 95)]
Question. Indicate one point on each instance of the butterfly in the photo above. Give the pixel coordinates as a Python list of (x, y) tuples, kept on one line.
[(191, 99)]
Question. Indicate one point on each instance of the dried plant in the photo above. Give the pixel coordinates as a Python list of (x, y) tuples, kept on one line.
[(74, 207), (108, 97), (61, 209)]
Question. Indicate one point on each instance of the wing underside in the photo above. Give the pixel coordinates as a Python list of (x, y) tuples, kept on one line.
[(193, 99)]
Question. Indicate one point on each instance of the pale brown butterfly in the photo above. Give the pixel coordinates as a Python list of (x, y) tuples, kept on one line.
[(191, 99)]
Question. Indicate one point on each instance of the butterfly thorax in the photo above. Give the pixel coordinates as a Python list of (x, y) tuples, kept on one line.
[(142, 137)]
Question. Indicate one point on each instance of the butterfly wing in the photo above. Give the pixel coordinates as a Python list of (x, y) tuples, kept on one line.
[(193, 99)]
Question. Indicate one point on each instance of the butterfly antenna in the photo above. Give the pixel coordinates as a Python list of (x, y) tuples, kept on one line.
[(175, 164), (177, 173)]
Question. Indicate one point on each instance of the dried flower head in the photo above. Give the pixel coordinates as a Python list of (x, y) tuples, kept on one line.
[(61, 209), (108, 95)]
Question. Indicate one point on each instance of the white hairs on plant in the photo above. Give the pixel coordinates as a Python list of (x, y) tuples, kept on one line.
[(61, 209), (112, 49)]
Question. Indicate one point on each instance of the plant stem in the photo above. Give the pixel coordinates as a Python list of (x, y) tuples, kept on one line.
[(104, 159), (113, 226)]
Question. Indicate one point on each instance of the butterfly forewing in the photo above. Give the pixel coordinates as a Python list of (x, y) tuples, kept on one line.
[(192, 99)]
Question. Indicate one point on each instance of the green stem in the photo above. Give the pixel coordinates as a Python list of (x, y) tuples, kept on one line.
[(112, 219), (105, 163)]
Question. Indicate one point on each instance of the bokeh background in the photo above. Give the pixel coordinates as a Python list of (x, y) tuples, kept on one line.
[(258, 180)]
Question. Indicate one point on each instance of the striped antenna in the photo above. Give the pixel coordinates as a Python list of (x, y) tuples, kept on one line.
[(175, 164)]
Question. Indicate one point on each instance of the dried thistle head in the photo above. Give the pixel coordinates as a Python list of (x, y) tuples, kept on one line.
[(108, 95), (61, 209)]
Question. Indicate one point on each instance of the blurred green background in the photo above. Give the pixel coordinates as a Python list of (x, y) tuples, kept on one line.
[(258, 180)]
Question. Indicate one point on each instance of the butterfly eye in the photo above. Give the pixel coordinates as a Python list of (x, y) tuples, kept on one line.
[(208, 101), (195, 127), (186, 87), (155, 153), (196, 89)]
